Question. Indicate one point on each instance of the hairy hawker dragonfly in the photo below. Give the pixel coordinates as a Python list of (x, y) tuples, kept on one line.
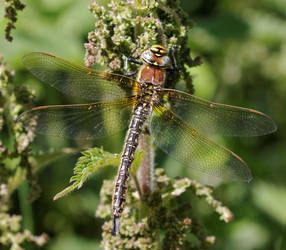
[(176, 120)]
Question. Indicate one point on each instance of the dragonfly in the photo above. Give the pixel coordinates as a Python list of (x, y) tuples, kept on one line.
[(178, 122)]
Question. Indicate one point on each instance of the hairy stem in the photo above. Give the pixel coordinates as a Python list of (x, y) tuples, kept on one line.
[(145, 172)]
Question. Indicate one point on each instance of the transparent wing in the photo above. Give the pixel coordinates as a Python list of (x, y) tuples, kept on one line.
[(192, 149), (78, 81), (81, 121), (214, 118)]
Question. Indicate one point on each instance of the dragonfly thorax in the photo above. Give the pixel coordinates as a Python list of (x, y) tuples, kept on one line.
[(156, 56)]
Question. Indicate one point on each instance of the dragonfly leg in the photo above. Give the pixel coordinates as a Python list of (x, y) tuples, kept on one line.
[(127, 60), (133, 51), (115, 225), (130, 59), (175, 67), (130, 73)]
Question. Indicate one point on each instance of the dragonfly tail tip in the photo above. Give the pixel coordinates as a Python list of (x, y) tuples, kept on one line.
[(115, 225)]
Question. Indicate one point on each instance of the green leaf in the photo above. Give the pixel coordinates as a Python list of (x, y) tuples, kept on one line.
[(91, 161)]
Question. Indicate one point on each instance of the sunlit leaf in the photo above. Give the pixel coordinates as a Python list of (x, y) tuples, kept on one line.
[(91, 161)]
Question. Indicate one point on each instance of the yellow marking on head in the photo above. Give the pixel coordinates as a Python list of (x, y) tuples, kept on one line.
[(194, 132), (211, 105), (158, 50), (90, 107), (158, 47), (89, 72)]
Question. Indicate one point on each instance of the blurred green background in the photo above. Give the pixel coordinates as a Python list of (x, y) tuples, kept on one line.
[(243, 48)]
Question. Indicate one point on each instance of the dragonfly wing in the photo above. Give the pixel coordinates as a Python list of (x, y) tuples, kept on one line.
[(214, 118), (80, 121), (79, 81), (192, 149)]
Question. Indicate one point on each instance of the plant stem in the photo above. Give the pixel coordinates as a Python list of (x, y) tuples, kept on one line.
[(145, 172)]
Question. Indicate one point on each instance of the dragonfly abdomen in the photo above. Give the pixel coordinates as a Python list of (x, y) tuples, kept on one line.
[(140, 115)]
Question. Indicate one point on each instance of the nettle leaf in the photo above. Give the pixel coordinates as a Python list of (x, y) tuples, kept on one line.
[(91, 161)]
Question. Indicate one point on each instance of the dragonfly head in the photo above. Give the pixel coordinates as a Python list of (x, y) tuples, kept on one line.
[(156, 56)]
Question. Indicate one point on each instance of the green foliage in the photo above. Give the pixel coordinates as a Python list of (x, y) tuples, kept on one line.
[(11, 235), (14, 164), (17, 164), (13, 148), (149, 222), (159, 221), (92, 160)]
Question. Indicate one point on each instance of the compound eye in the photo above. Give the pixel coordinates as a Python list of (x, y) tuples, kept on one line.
[(166, 60), (148, 55)]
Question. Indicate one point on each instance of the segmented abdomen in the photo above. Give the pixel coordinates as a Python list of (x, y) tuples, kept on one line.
[(140, 115)]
